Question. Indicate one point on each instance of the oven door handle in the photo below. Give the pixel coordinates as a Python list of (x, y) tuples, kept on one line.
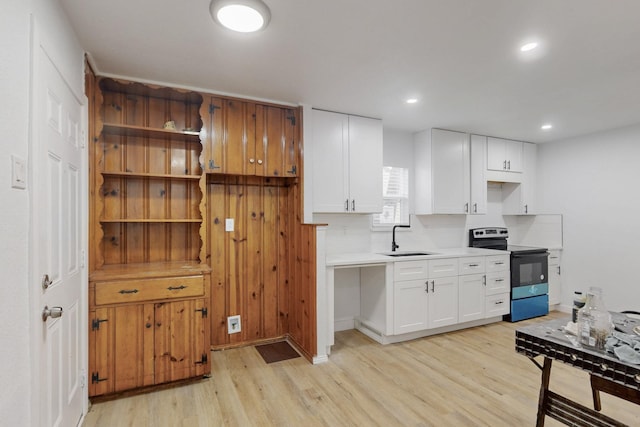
[(534, 255)]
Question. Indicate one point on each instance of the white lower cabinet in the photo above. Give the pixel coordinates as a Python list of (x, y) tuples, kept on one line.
[(425, 294)]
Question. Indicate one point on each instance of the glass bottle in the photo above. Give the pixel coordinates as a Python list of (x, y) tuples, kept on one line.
[(594, 321)]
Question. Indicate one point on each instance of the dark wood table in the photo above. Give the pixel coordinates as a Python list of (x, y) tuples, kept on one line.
[(608, 373)]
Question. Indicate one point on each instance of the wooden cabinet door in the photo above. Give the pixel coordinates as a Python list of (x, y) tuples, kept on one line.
[(122, 340), (230, 139), (180, 345), (276, 141)]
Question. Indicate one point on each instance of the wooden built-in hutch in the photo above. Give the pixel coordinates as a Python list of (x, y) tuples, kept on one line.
[(195, 215)]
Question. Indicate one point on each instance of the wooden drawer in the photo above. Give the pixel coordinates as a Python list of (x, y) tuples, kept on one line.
[(471, 265), (122, 291)]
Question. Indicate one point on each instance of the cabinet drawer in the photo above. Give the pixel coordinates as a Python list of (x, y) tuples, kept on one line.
[(497, 263), (498, 282), (410, 270), (471, 265), (443, 267), (122, 291), (497, 305)]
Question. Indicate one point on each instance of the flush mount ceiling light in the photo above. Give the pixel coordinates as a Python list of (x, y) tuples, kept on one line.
[(529, 46), (244, 16)]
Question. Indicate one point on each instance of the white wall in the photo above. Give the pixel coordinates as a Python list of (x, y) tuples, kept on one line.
[(15, 328), (594, 182)]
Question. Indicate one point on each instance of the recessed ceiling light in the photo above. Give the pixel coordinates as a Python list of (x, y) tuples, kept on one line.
[(546, 126), (412, 100), (529, 46), (244, 16)]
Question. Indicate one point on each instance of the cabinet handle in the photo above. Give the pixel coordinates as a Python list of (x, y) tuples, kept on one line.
[(346, 205), (475, 208), (466, 208), (251, 161), (176, 288), (128, 291), (259, 161), (353, 205)]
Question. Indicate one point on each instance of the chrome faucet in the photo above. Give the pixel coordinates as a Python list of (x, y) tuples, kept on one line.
[(394, 245)]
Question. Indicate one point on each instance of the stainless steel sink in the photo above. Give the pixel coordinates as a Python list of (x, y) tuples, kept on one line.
[(399, 254)]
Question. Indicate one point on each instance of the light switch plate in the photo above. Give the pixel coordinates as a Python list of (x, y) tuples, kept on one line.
[(228, 224), (18, 173)]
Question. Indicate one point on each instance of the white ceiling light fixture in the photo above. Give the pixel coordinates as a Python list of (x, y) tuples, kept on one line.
[(244, 16), (528, 47)]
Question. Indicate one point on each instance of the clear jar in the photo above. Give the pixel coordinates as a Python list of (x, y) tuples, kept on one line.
[(594, 321)]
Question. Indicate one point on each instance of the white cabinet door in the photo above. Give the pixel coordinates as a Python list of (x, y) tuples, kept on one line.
[(504, 155), (478, 168), (471, 294), (450, 171), (365, 165), (346, 160), (555, 280), (330, 162), (443, 302), (410, 306)]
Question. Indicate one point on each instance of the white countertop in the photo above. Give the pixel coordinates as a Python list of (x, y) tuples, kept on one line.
[(363, 258)]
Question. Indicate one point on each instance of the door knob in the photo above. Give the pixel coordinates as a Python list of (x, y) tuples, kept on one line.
[(53, 312)]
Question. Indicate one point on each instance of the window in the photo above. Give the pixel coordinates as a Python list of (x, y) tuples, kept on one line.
[(395, 192)]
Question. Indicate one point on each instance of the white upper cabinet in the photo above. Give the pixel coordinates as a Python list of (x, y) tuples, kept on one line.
[(346, 163), (478, 175), (520, 198), (504, 155), (442, 172)]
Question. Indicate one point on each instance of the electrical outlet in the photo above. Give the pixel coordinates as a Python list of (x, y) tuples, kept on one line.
[(233, 324)]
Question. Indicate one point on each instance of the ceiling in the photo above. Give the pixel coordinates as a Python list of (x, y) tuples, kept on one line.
[(460, 58)]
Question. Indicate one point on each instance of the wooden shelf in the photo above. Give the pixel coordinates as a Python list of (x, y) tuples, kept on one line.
[(151, 221), (140, 131), (151, 175)]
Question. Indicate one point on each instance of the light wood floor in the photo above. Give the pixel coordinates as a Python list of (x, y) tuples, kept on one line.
[(467, 378)]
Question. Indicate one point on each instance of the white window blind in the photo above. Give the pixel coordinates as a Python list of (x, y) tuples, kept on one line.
[(395, 193)]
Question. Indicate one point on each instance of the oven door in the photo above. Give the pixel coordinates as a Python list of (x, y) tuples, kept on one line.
[(529, 269)]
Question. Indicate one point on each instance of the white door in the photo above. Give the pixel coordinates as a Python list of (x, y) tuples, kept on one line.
[(56, 244)]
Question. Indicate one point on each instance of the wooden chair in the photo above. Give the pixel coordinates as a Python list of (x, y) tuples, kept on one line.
[(599, 384)]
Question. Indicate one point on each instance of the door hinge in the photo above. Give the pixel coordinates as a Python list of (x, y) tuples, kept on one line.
[(95, 323), (293, 171), (213, 108), (95, 378), (203, 360), (203, 311)]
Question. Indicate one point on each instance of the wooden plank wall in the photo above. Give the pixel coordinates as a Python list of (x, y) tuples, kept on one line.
[(250, 271)]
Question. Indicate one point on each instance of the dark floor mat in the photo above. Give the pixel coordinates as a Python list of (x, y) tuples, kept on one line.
[(277, 351)]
